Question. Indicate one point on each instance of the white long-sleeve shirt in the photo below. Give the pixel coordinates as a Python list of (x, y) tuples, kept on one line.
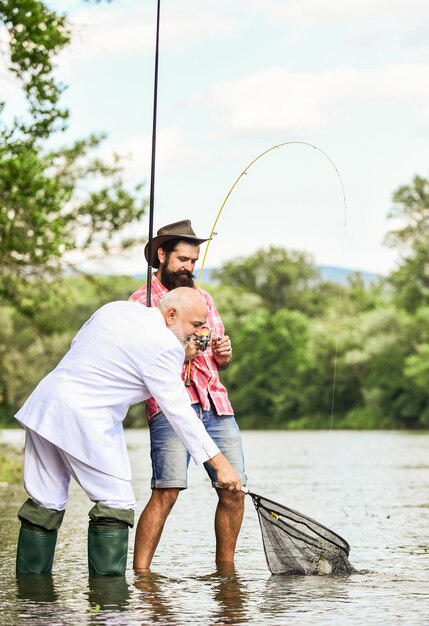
[(121, 356)]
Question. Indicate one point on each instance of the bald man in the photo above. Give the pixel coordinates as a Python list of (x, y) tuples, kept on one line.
[(124, 354)]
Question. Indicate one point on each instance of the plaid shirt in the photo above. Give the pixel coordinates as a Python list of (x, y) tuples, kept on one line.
[(204, 372)]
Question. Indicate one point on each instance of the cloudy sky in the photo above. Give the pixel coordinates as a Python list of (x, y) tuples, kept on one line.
[(238, 77)]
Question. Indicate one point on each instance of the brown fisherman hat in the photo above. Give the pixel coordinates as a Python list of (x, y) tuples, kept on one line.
[(181, 230)]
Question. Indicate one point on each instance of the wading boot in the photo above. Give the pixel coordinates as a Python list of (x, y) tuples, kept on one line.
[(36, 548), (37, 538), (108, 540)]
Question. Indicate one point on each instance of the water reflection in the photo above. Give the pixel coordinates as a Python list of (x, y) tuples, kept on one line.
[(36, 596), (219, 597), (299, 593), (154, 597), (108, 593), (36, 587), (380, 507), (229, 592)]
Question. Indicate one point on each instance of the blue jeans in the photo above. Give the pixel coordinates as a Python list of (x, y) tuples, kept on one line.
[(170, 458)]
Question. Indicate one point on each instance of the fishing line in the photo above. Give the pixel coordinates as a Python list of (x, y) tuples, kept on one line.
[(212, 233)]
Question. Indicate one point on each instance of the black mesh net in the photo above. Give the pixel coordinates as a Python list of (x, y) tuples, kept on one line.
[(297, 544)]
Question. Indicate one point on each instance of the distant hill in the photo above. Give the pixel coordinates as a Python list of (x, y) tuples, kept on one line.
[(341, 274), (333, 274), (329, 272)]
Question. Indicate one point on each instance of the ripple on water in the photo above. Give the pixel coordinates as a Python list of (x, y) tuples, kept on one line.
[(377, 501)]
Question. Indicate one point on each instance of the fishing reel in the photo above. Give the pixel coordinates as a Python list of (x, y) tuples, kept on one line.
[(203, 341)]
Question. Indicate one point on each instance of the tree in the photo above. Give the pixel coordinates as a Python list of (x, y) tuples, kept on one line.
[(411, 280), (31, 345), (357, 296), (51, 201), (264, 378), (36, 35), (416, 367), (330, 387), (378, 345), (281, 278), (42, 215)]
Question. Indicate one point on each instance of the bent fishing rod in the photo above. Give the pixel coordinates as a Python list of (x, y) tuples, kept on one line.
[(244, 172), (212, 233)]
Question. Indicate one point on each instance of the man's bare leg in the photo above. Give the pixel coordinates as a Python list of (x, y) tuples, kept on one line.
[(228, 519), (150, 526)]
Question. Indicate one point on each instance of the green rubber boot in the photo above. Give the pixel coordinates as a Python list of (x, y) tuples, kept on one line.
[(108, 540), (36, 548), (107, 551), (37, 538)]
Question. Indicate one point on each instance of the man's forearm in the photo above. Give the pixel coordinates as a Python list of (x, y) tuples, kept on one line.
[(226, 474)]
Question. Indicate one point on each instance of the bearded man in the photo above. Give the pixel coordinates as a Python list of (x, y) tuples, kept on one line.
[(175, 251)]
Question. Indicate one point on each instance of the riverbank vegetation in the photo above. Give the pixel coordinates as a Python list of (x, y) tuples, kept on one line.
[(11, 466), (308, 353)]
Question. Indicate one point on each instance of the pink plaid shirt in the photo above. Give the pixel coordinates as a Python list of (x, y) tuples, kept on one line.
[(206, 384)]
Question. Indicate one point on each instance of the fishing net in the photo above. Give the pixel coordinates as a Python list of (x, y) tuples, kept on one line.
[(297, 544)]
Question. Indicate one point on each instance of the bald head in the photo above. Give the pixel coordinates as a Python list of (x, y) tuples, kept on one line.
[(184, 310), (183, 298)]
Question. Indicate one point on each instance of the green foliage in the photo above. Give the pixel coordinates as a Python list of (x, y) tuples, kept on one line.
[(411, 206), (416, 366), (281, 278), (236, 306), (36, 35), (410, 280), (33, 339), (360, 364), (365, 418), (11, 467), (51, 201), (330, 389), (358, 297), (307, 353), (42, 215), (377, 346), (263, 380)]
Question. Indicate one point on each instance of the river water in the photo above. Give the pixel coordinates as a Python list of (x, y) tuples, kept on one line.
[(370, 487)]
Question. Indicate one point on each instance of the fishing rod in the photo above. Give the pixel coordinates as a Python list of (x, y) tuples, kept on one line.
[(247, 168), (152, 166), (212, 233)]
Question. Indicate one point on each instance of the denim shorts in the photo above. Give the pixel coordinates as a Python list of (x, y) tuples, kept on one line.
[(170, 458)]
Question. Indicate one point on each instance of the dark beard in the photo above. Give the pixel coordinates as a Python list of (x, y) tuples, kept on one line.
[(181, 278)]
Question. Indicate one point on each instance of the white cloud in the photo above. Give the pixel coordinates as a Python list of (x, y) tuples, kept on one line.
[(314, 11), (173, 152), (277, 99), (120, 30), (364, 21)]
